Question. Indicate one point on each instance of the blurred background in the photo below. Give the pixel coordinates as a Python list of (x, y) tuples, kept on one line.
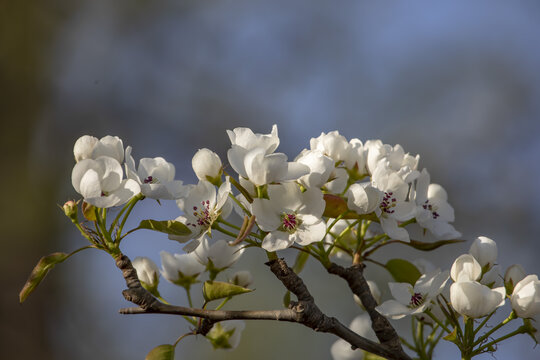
[(457, 83)]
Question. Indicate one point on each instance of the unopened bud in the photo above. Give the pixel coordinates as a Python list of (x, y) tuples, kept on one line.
[(207, 165), (71, 209)]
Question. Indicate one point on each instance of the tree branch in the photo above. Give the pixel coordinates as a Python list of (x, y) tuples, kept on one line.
[(304, 311), (354, 275)]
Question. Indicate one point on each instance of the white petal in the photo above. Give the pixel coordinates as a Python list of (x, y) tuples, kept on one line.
[(266, 216), (112, 173), (393, 309), (276, 240), (391, 228), (402, 292), (90, 186), (308, 234)]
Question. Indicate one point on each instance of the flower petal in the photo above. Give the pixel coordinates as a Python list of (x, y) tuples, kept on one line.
[(276, 240)]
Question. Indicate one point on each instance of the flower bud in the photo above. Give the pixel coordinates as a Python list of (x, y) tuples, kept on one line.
[(242, 278), (484, 251), (472, 299), (180, 269), (465, 268), (207, 165), (526, 297), (84, 146), (147, 272), (71, 210), (514, 274), (226, 334)]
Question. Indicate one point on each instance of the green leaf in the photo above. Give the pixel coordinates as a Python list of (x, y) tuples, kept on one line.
[(161, 352), (428, 246), (287, 299), (403, 271), (170, 227), (300, 262), (45, 264), (213, 290), (370, 356), (452, 337)]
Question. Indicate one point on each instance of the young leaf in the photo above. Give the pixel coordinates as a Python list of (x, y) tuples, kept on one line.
[(161, 352), (170, 227), (45, 264), (213, 290), (403, 271)]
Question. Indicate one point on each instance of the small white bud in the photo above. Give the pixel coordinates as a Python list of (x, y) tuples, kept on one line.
[(147, 271), (206, 164), (484, 251), (84, 146), (514, 274), (242, 278)]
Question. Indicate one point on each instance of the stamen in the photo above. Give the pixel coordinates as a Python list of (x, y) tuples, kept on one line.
[(416, 300), (387, 203)]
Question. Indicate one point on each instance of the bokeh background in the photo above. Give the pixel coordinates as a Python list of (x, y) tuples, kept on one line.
[(457, 82)]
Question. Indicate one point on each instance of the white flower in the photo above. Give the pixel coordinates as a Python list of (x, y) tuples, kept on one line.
[(320, 168), (338, 181), (526, 297), (514, 274), (220, 253), (226, 334), (251, 156), (155, 176), (290, 216), (242, 278), (465, 268), (341, 350), (492, 277), (363, 198), (393, 206), (202, 206), (89, 147), (147, 271), (206, 164), (484, 251), (404, 164), (180, 268), (356, 157), (433, 211), (83, 147), (409, 300), (472, 299), (100, 182), (332, 145)]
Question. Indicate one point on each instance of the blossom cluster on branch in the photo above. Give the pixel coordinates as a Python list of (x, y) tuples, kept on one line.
[(338, 201)]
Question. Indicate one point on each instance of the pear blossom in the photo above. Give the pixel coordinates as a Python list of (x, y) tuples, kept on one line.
[(484, 251), (242, 278), (393, 205), (320, 168), (147, 272), (492, 277), (404, 165), (433, 211), (332, 145), (363, 198), (207, 165), (180, 269), (89, 147), (472, 299), (514, 274), (356, 157), (526, 297), (226, 334), (342, 350), (100, 182), (411, 300), (252, 157), (290, 216), (220, 253), (202, 206), (465, 268), (155, 177), (338, 181)]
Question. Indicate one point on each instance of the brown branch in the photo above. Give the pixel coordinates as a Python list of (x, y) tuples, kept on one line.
[(314, 318), (304, 311), (354, 275)]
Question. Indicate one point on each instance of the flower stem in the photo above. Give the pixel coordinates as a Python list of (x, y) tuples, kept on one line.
[(511, 317)]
